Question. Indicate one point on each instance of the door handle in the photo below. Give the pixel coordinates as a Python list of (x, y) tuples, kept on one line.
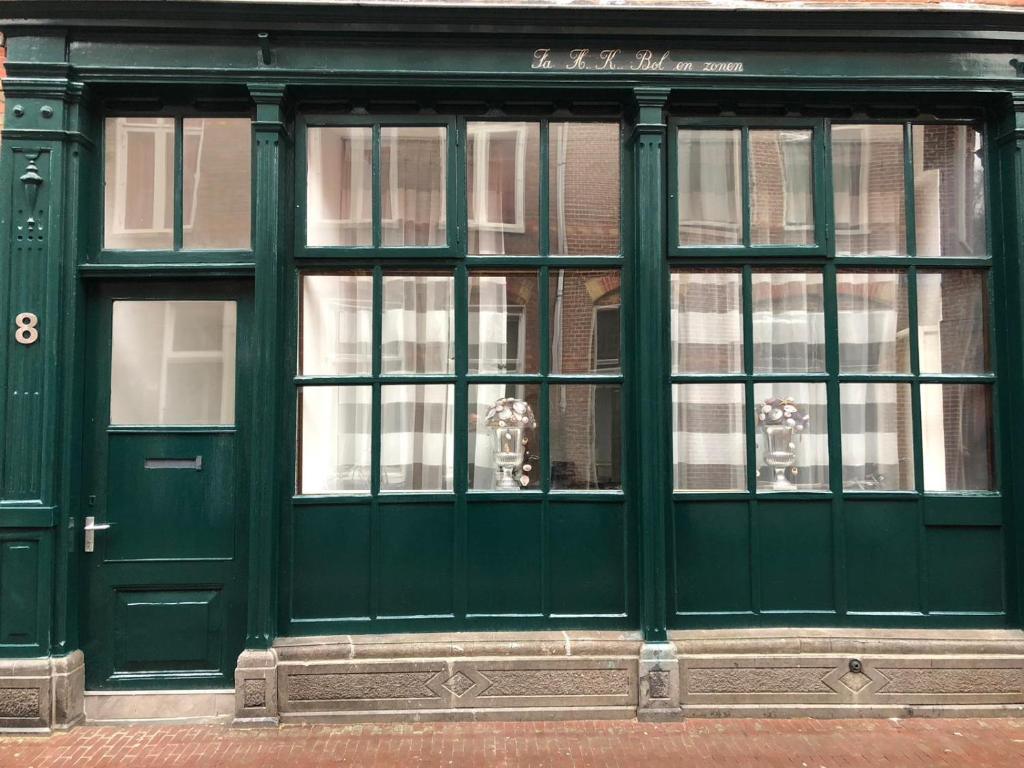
[(90, 528)]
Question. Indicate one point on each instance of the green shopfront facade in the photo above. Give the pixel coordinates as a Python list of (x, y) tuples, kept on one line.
[(395, 362)]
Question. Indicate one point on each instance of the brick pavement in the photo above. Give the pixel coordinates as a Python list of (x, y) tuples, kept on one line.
[(993, 743)]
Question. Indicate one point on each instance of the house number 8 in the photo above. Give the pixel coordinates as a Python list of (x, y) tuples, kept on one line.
[(27, 332)]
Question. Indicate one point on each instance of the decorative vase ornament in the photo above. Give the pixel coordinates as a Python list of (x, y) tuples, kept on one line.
[(509, 419), (783, 422)]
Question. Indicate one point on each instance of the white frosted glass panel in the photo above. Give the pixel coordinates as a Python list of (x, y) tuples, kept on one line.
[(874, 322), (710, 185), (418, 324), (878, 437), (707, 321), (789, 322), (173, 362)]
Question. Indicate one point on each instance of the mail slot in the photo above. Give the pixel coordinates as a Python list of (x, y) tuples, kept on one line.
[(196, 463)]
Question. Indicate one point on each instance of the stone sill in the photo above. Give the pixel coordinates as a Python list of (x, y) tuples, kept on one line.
[(457, 645), (761, 641)]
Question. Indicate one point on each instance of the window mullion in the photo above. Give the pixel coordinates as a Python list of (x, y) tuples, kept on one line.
[(179, 175), (375, 170), (908, 189), (745, 184), (375, 417)]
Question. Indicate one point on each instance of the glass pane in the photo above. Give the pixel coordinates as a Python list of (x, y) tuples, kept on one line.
[(413, 162), (139, 183), (867, 179), (334, 439), (707, 322), (781, 188), (418, 324), (710, 186), (416, 445), (956, 434), (337, 324), (339, 186), (585, 436), (217, 182), (583, 188), (789, 322), (878, 437), (173, 362), (792, 436), (503, 182), (504, 322), (516, 436), (709, 437), (952, 321), (874, 323), (584, 320), (949, 190)]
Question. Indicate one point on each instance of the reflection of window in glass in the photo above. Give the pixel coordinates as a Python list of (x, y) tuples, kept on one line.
[(585, 436), (173, 362), (416, 447), (503, 322), (874, 321), (878, 442), (337, 324), (949, 190), (791, 457), (217, 182), (334, 439), (709, 187), (501, 163), (709, 437), (707, 321), (952, 325), (956, 436), (789, 322), (414, 161), (867, 178), (781, 187), (584, 188), (579, 300), (139, 189)]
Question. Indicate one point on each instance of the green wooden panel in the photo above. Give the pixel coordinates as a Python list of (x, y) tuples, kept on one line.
[(504, 558), (882, 565), (968, 511), (712, 557), (415, 556), (795, 555), (965, 569), (174, 513), (330, 562), (19, 592), (587, 558), (175, 630)]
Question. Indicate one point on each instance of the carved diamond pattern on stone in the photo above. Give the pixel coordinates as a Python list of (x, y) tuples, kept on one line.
[(458, 684), (254, 693), (855, 681)]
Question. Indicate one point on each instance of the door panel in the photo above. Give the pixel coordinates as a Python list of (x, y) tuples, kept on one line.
[(166, 470)]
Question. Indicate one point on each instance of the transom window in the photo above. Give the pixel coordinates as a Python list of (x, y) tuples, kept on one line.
[(174, 183), (864, 368)]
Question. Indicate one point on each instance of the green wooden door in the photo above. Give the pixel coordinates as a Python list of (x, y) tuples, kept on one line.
[(165, 466)]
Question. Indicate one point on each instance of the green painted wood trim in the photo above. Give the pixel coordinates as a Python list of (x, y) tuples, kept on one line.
[(650, 352), (271, 204)]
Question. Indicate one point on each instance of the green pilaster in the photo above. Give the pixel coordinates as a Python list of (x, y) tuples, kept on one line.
[(271, 159), (40, 140), (1008, 184), (650, 297)]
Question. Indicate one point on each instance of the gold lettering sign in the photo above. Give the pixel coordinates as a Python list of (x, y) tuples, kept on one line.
[(623, 60)]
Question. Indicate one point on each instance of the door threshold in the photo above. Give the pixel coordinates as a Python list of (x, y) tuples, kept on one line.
[(192, 707)]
